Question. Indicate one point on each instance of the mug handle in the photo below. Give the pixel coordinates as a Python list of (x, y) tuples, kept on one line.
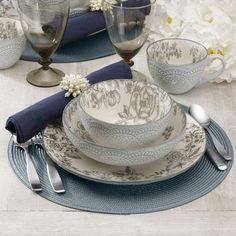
[(216, 74)]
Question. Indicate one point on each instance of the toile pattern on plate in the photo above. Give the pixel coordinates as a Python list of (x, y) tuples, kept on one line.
[(187, 152)]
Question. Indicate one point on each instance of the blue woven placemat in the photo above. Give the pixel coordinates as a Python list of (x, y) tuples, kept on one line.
[(96, 197), (92, 47)]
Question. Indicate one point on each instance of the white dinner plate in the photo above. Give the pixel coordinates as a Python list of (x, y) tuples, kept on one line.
[(187, 153)]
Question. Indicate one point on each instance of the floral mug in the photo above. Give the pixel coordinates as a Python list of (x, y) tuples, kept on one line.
[(177, 65)]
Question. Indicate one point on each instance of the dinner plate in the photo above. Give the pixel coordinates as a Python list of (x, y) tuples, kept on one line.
[(186, 154)]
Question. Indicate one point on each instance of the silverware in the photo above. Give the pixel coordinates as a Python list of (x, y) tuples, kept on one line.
[(213, 154), (31, 171), (199, 114), (215, 158), (53, 175)]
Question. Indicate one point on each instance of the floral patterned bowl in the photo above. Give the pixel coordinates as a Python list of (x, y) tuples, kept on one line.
[(12, 42), (77, 134), (124, 113)]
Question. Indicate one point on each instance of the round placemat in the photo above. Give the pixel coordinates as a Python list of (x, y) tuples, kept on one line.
[(97, 197), (92, 47)]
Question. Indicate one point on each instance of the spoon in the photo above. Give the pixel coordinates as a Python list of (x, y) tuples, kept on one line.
[(215, 158), (199, 114), (31, 171)]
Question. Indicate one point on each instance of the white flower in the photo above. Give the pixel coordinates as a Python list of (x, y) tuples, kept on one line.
[(168, 20), (74, 84), (102, 5), (228, 6)]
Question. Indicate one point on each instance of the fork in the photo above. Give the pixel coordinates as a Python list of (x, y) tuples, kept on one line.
[(53, 175), (32, 174)]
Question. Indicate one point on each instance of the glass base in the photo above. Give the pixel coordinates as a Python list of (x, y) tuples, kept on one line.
[(139, 76), (45, 78)]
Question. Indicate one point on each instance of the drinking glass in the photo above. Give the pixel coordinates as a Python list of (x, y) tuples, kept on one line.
[(44, 23), (128, 25)]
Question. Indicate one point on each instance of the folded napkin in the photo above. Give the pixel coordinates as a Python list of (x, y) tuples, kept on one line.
[(80, 26), (28, 122)]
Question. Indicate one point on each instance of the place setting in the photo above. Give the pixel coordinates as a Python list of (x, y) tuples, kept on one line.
[(174, 167), (123, 185), (115, 141)]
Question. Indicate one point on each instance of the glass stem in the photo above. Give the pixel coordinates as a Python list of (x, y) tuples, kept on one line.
[(129, 62), (45, 62)]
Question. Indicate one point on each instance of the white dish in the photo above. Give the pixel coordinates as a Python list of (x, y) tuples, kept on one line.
[(124, 113), (77, 134), (11, 48), (8, 8), (187, 153)]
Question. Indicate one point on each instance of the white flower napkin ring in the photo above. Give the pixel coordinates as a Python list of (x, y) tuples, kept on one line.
[(74, 84)]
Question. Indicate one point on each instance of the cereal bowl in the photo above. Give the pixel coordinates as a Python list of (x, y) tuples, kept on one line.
[(124, 113), (81, 139), (12, 42)]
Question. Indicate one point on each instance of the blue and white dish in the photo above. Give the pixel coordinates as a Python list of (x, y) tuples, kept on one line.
[(79, 136), (12, 42), (124, 113), (185, 154), (178, 65)]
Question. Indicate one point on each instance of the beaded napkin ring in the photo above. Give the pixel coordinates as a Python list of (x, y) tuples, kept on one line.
[(102, 5), (74, 84)]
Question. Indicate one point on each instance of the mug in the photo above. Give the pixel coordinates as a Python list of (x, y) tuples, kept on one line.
[(178, 65)]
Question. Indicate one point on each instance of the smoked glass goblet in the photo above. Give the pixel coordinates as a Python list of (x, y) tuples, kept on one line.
[(44, 23), (128, 25)]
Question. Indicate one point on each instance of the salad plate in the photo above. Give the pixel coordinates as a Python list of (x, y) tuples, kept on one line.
[(185, 155)]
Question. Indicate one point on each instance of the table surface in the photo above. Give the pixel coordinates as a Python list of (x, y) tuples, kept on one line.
[(22, 212)]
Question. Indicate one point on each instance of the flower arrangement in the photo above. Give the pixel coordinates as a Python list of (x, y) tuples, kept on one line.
[(212, 23)]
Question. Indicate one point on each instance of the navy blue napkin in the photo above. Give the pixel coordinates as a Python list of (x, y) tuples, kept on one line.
[(80, 26), (28, 122)]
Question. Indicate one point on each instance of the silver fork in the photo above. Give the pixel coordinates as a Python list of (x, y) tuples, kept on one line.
[(32, 174), (53, 175)]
